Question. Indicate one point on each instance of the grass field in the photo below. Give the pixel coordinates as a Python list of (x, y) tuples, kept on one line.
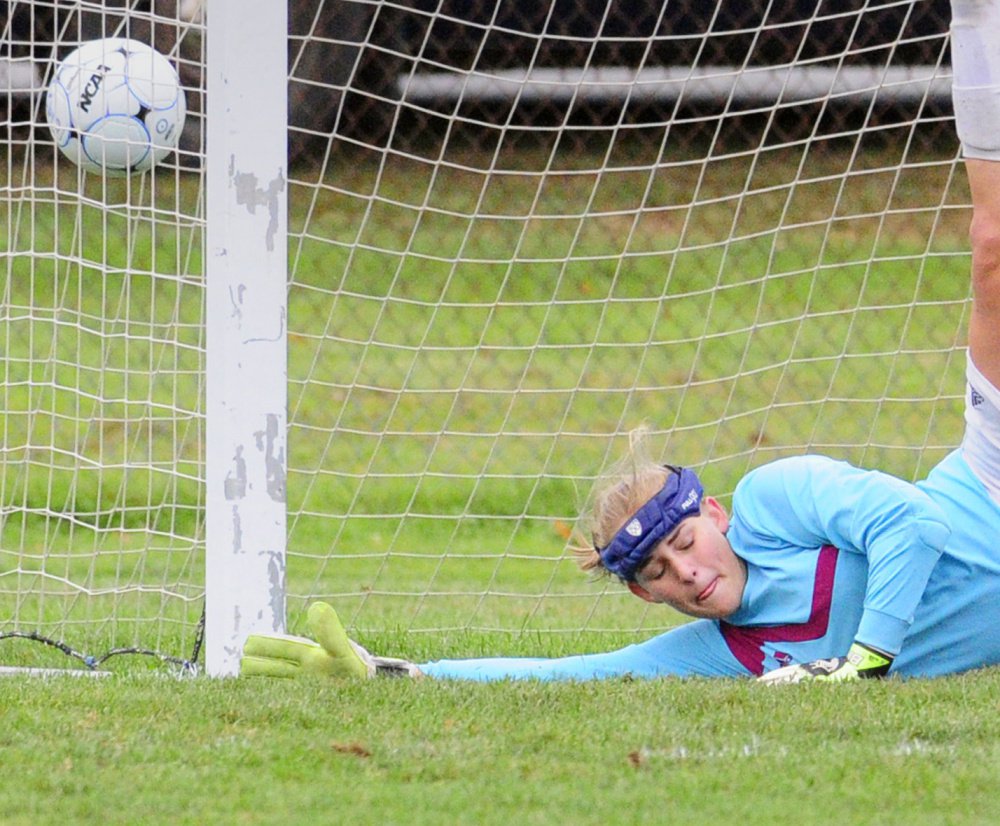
[(154, 750), (455, 387)]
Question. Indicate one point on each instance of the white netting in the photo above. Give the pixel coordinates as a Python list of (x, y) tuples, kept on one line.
[(517, 231), (102, 332)]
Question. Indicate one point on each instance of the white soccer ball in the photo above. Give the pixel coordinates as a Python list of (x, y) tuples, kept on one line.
[(115, 106)]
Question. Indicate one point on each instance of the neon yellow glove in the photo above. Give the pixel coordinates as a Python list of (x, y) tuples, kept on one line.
[(332, 654), (861, 662), (284, 655)]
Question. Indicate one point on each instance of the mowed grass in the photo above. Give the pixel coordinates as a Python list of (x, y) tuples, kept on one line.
[(455, 387), (155, 750)]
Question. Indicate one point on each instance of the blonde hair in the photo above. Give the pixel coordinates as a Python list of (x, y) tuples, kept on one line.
[(626, 488)]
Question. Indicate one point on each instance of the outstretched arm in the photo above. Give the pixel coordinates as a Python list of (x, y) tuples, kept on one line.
[(696, 648)]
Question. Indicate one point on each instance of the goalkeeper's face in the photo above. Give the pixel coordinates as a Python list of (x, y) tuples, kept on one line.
[(694, 569)]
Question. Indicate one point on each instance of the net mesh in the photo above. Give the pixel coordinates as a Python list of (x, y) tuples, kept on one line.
[(516, 232)]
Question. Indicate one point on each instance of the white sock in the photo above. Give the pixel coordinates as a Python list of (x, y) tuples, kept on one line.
[(975, 60)]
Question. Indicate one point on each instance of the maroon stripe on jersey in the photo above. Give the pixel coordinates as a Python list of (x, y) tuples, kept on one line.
[(747, 644)]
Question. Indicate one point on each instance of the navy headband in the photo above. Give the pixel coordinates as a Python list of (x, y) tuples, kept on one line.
[(679, 498)]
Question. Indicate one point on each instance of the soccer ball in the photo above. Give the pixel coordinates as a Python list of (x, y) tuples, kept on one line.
[(115, 106)]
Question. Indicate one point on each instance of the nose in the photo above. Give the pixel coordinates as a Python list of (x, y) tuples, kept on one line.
[(685, 570)]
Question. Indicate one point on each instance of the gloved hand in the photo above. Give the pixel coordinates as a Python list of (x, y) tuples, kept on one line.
[(332, 654), (861, 662)]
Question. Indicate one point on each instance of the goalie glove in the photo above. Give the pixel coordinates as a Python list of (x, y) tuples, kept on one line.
[(331, 654), (861, 662)]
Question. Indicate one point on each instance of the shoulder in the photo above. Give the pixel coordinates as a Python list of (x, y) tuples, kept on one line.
[(772, 502), (794, 499), (791, 473), (826, 482)]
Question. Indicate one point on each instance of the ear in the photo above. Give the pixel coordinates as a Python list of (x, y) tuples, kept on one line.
[(711, 508), (640, 592)]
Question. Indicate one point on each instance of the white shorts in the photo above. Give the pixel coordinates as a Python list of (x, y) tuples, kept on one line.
[(981, 444)]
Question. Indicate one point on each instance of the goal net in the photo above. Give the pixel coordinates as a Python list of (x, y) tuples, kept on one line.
[(516, 232)]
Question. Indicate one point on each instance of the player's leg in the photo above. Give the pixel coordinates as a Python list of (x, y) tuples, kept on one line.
[(984, 322), (975, 35)]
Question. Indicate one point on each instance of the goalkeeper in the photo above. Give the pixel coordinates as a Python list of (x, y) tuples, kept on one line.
[(822, 570)]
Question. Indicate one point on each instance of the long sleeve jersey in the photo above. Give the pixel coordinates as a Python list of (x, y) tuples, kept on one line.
[(833, 554)]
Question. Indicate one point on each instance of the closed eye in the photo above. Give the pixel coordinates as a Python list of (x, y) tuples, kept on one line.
[(682, 541), (651, 572)]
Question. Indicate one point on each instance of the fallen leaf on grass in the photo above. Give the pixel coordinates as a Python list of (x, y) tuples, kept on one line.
[(356, 749)]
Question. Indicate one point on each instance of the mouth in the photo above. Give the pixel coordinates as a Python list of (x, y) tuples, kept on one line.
[(708, 591)]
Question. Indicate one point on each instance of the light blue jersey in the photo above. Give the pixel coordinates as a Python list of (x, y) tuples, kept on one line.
[(834, 554)]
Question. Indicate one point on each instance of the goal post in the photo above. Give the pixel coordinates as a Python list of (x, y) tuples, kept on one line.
[(413, 275), (246, 191)]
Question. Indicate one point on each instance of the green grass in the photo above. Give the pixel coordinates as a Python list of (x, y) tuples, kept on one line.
[(154, 750)]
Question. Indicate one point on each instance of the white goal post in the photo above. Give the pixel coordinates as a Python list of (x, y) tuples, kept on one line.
[(416, 270), (246, 266)]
